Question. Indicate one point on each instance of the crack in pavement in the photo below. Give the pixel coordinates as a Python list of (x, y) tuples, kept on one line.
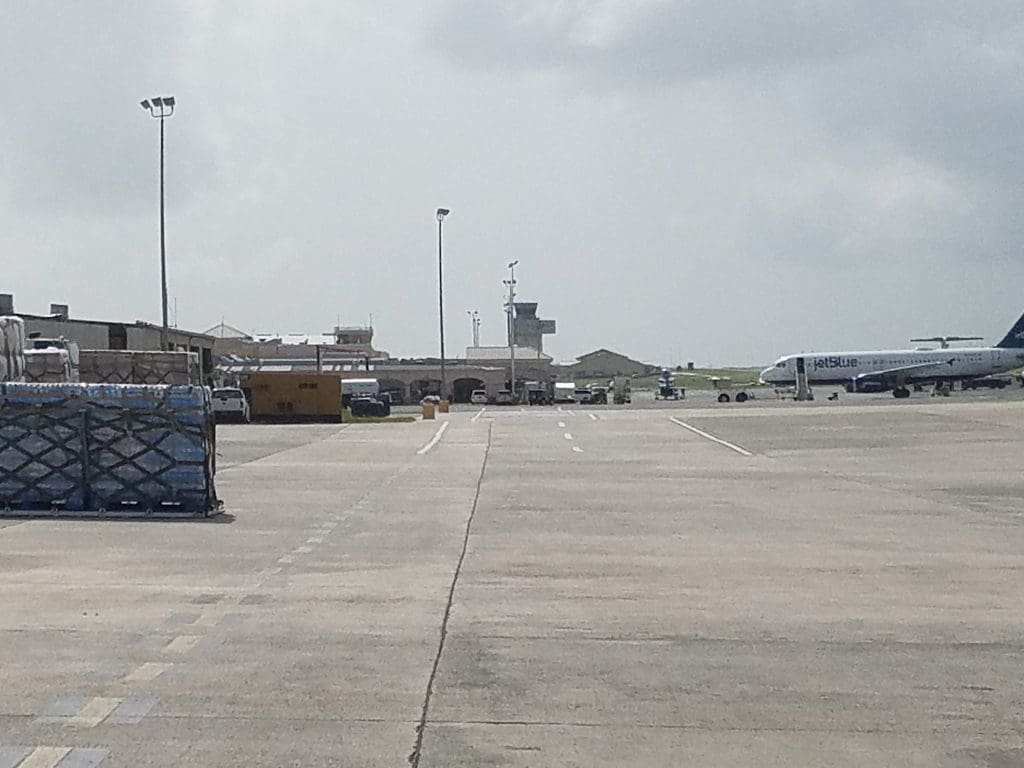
[(414, 757)]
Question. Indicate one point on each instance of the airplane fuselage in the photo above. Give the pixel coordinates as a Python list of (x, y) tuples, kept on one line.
[(914, 366)]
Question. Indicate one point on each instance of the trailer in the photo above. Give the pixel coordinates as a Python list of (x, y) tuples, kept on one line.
[(293, 397)]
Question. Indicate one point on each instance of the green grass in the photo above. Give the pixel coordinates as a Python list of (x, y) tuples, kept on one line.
[(700, 378), (348, 418)]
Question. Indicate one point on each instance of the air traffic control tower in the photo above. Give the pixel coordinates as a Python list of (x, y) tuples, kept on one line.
[(530, 330)]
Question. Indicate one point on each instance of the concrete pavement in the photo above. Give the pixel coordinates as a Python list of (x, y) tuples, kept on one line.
[(843, 591)]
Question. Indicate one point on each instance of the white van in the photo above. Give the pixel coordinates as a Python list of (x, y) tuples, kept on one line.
[(358, 388), (565, 392)]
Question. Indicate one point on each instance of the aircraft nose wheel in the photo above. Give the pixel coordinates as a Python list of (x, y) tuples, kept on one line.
[(900, 393)]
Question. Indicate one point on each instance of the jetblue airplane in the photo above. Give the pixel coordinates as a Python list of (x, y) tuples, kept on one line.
[(881, 371)]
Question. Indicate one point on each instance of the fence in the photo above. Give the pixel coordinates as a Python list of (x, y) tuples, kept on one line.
[(106, 450)]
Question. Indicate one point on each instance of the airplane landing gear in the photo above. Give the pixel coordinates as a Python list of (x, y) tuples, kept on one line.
[(901, 393)]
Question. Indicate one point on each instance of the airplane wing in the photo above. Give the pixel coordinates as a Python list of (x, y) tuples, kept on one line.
[(900, 373)]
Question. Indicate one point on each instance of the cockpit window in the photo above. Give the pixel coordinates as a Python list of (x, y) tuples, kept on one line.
[(780, 364)]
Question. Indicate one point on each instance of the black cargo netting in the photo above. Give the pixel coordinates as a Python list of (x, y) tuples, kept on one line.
[(70, 454)]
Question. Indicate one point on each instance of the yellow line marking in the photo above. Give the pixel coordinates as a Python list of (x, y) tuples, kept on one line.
[(44, 757), (181, 644), (93, 713), (151, 670)]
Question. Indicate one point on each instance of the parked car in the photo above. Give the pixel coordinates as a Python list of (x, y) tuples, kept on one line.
[(583, 396), (505, 397), (229, 404), (599, 395), (478, 397), (431, 399)]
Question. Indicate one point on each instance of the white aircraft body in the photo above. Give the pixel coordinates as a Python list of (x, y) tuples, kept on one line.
[(884, 370)]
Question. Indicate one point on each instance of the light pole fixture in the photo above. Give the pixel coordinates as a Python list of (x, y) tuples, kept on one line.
[(474, 316), (161, 107), (441, 213), (511, 283)]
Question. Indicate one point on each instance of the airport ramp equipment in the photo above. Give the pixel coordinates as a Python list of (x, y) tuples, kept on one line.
[(12, 348), (106, 450)]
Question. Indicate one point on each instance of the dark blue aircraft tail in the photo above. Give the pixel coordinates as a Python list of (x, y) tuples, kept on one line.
[(1015, 338)]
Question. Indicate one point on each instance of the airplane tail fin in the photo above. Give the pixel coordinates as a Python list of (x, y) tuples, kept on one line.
[(1015, 338)]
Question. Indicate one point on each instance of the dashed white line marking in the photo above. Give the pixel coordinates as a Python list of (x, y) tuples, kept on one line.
[(208, 620), (286, 559), (571, 413), (592, 416), (712, 438), (567, 435), (93, 713), (151, 670), (275, 571), (315, 540), (302, 550), (434, 440), (181, 644), (44, 757), (577, 449), (561, 425), (479, 413)]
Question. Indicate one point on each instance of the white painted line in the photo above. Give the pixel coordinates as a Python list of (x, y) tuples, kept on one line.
[(592, 417), (302, 550), (577, 449), (434, 440), (286, 560), (181, 644), (315, 540), (571, 413), (44, 757), (94, 712), (712, 438), (561, 425), (151, 670), (479, 413), (568, 435), (275, 571), (207, 620), (559, 409)]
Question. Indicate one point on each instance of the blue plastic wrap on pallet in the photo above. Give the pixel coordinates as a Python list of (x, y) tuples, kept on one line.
[(106, 447)]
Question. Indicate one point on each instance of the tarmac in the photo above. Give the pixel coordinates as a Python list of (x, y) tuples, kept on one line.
[(767, 584)]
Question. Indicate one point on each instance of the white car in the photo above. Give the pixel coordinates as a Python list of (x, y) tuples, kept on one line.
[(478, 397), (229, 404)]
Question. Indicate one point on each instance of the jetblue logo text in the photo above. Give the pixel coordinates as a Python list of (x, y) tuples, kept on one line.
[(835, 362)]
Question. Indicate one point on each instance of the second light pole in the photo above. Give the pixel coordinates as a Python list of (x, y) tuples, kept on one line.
[(161, 107), (441, 213)]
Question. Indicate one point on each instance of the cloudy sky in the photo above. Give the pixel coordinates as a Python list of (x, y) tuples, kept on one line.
[(711, 180)]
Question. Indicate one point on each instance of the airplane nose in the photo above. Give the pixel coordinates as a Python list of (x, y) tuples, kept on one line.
[(767, 374)]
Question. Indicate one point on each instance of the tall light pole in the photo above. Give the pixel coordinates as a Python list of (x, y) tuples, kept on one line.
[(161, 107), (474, 316), (441, 213), (511, 283)]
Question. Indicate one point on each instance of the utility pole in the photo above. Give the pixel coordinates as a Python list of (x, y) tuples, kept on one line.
[(511, 283), (474, 316), (441, 213)]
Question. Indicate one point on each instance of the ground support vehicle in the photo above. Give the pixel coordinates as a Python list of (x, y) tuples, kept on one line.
[(229, 404), (505, 397), (478, 397), (351, 388), (565, 392), (986, 382), (583, 396), (599, 395)]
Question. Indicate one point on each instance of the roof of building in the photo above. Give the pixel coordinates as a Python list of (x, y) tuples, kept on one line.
[(604, 351), (503, 353), (224, 331)]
